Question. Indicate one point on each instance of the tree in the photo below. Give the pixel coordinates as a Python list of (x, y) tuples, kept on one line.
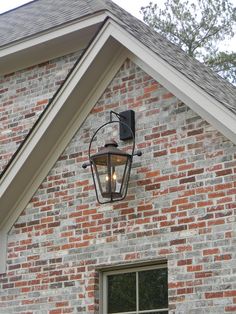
[(199, 27)]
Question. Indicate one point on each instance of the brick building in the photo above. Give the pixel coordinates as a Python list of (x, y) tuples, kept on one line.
[(169, 246)]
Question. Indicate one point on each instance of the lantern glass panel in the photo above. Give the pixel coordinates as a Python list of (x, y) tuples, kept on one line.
[(111, 174), (101, 175), (126, 174)]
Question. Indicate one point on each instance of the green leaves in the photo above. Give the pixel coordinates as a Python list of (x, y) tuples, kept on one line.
[(224, 63), (198, 27)]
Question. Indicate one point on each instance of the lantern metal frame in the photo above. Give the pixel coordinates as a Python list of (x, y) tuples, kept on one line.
[(126, 174)]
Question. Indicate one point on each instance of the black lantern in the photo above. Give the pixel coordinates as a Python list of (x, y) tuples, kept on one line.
[(111, 166)]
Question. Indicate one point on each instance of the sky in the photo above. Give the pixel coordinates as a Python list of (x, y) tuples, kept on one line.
[(132, 6)]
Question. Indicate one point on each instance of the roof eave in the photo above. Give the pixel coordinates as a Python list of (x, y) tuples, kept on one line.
[(53, 43)]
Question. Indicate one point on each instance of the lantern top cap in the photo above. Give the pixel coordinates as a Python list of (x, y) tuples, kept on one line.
[(110, 148), (111, 142)]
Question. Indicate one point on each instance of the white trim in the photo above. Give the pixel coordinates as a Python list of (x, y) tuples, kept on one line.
[(3, 251), (51, 34), (192, 95), (58, 148), (58, 41), (199, 101), (47, 119), (32, 164)]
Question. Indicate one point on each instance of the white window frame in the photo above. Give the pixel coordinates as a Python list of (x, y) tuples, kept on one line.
[(123, 270)]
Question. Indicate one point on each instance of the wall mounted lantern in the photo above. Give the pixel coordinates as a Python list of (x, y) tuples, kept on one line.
[(111, 166)]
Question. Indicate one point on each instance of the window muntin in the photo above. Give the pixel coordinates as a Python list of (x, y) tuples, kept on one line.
[(142, 290)]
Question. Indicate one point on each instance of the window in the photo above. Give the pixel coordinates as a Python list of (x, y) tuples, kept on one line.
[(143, 290)]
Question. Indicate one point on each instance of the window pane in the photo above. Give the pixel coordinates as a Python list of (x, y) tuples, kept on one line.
[(153, 291), (122, 293)]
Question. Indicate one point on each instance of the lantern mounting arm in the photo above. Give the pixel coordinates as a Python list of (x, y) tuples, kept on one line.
[(118, 115), (126, 121), (127, 129)]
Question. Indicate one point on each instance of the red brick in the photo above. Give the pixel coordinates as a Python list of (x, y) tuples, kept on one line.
[(223, 257), (203, 274), (187, 180), (185, 291), (184, 262), (211, 251), (216, 222), (213, 295), (195, 171), (178, 241), (160, 153), (152, 174), (230, 293), (180, 201), (152, 187), (230, 308), (175, 285), (223, 172), (194, 268)]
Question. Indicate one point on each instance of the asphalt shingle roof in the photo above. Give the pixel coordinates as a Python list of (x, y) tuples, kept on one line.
[(42, 15)]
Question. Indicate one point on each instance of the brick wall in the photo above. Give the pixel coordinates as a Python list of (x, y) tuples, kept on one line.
[(23, 96), (180, 207)]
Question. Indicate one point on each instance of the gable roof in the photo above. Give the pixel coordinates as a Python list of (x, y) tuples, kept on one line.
[(115, 41), (41, 15)]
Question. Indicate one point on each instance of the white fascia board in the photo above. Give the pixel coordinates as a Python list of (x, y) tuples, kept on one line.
[(50, 35), (3, 251), (53, 109), (50, 44), (105, 56), (73, 124), (192, 95), (41, 128)]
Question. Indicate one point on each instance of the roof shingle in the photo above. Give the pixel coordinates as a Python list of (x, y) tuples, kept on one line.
[(41, 15)]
